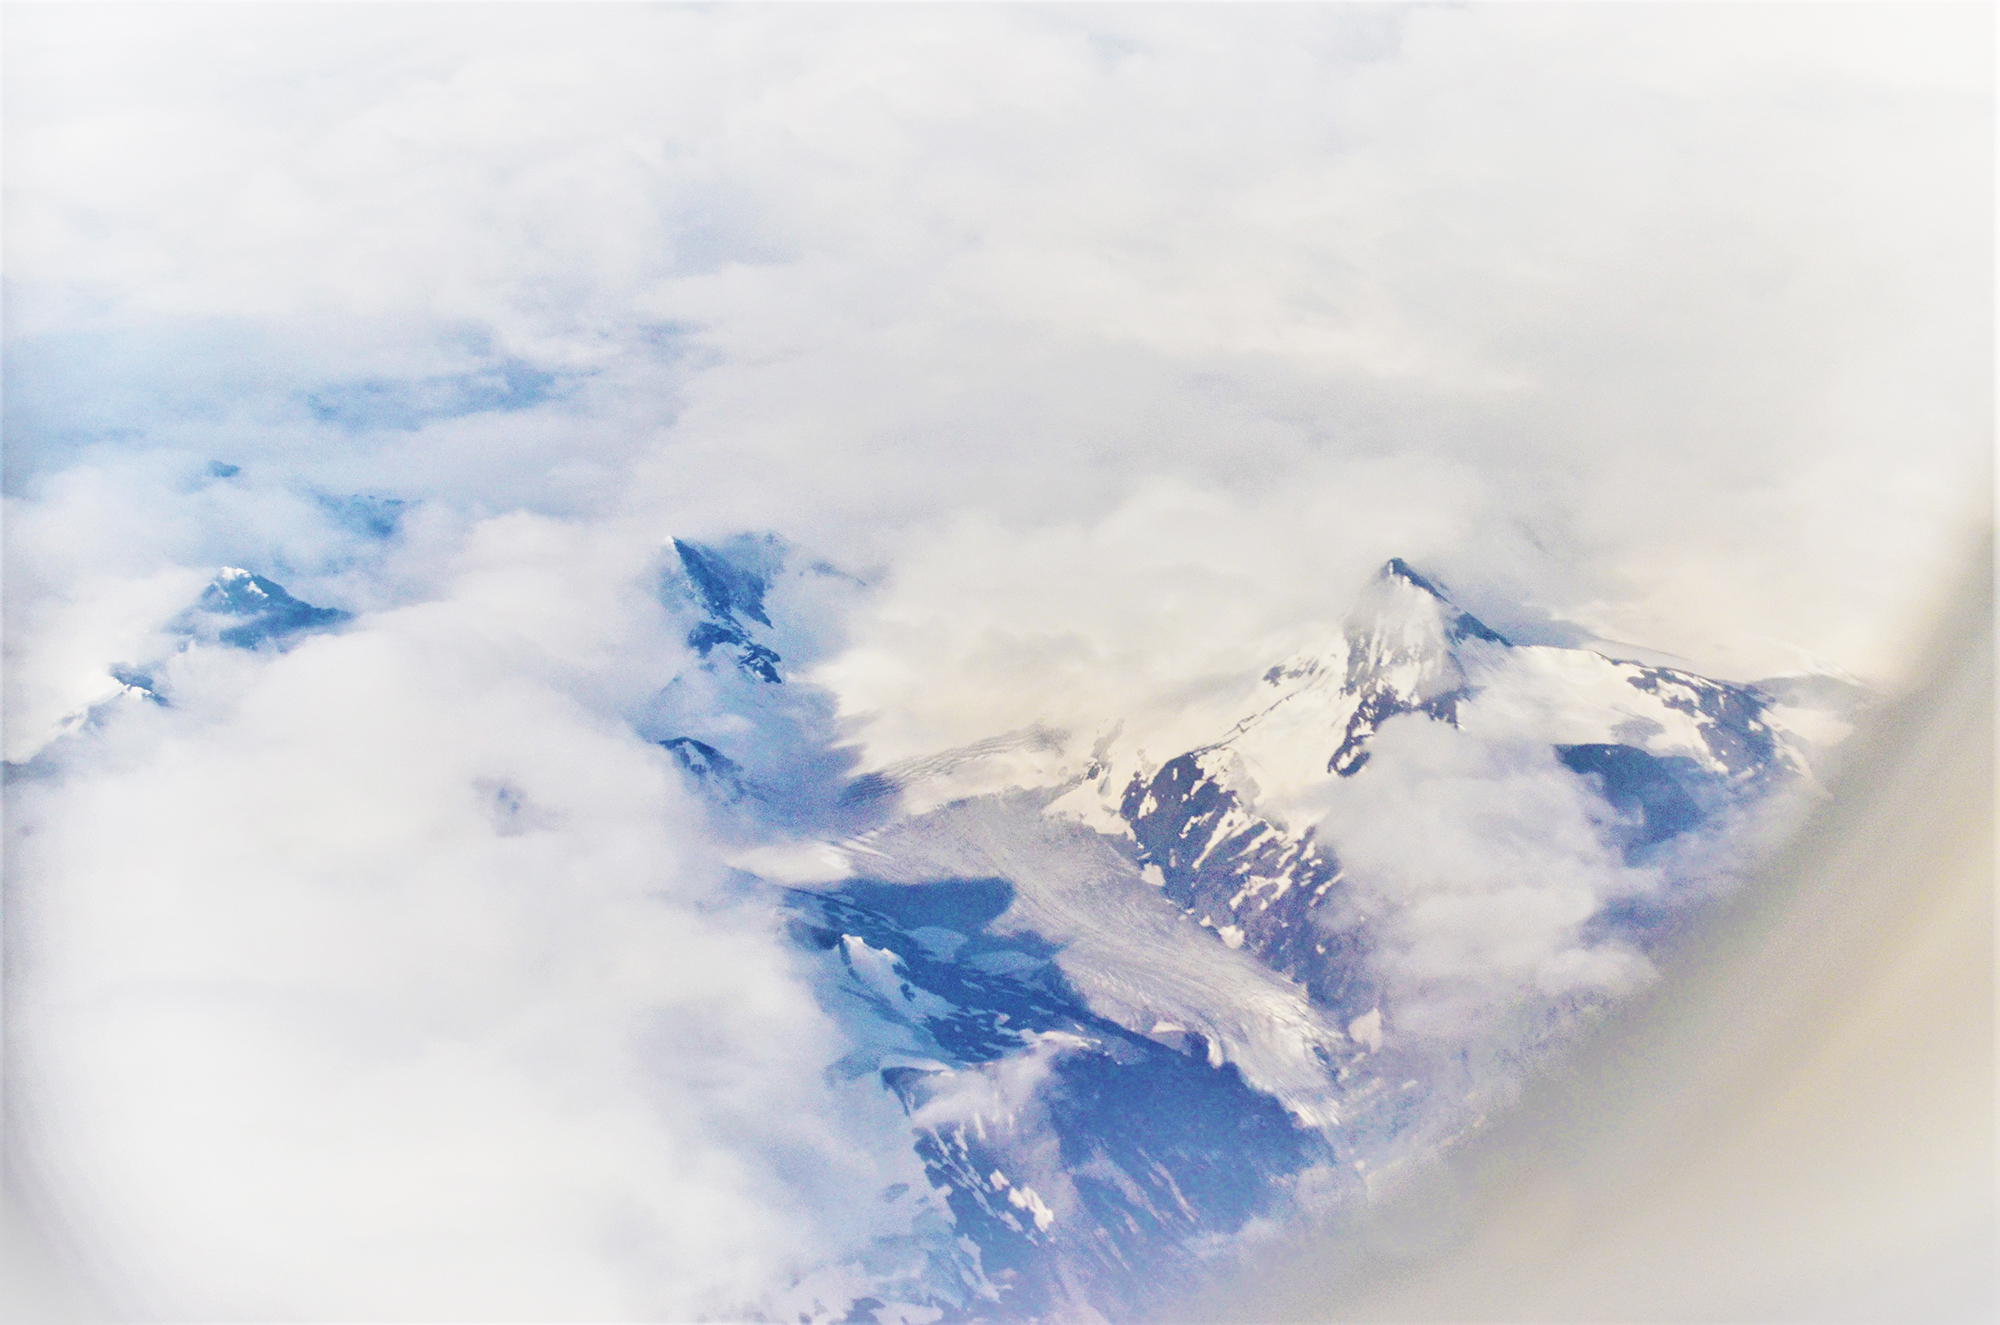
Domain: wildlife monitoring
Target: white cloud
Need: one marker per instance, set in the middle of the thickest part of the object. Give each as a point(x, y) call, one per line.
point(995, 1093)
point(1476, 864)
point(1699, 300)
point(392, 976)
point(1113, 347)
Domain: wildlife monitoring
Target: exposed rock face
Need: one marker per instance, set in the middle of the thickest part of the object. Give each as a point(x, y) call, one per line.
point(1105, 1080)
point(1666, 749)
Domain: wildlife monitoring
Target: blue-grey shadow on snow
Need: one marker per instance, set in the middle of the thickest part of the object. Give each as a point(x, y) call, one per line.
point(1154, 1150)
point(740, 721)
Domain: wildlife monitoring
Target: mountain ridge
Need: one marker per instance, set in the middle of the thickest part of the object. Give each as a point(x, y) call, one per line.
point(1146, 934)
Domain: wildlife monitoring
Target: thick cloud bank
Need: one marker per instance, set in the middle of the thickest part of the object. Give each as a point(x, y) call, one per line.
point(388, 967)
point(393, 976)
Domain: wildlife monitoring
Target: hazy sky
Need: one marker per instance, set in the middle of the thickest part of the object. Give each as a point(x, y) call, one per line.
point(1112, 348)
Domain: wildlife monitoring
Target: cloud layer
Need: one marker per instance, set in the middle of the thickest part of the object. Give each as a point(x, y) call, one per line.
point(1664, 301)
point(1110, 350)
point(393, 976)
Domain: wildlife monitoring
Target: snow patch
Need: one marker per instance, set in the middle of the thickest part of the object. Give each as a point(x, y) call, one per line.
point(1366, 1029)
point(1026, 1198)
point(796, 863)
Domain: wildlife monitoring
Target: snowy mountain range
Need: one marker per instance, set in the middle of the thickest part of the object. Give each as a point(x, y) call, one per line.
point(237, 609)
point(1137, 1009)
point(1132, 1008)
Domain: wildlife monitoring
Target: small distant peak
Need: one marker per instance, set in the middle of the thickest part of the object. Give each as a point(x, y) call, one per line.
point(1459, 623)
point(1395, 568)
point(707, 765)
point(726, 587)
point(261, 609)
point(726, 584)
point(238, 591)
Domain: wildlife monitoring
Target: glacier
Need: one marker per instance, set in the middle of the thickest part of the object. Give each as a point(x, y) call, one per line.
point(1141, 1013)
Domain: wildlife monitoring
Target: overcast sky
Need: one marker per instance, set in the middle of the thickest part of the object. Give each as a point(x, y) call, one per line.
point(1111, 348)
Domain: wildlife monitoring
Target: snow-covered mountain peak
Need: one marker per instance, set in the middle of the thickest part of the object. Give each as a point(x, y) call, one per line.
point(727, 589)
point(727, 585)
point(1129, 1003)
point(1404, 631)
point(245, 610)
point(1395, 568)
point(1408, 646)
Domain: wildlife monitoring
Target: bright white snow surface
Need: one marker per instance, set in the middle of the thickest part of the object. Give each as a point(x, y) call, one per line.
point(1476, 860)
point(1131, 954)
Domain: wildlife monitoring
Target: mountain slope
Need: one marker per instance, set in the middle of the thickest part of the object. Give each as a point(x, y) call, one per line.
point(1129, 1008)
point(1667, 752)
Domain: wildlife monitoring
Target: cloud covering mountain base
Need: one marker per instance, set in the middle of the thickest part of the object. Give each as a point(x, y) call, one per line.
point(412, 936)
